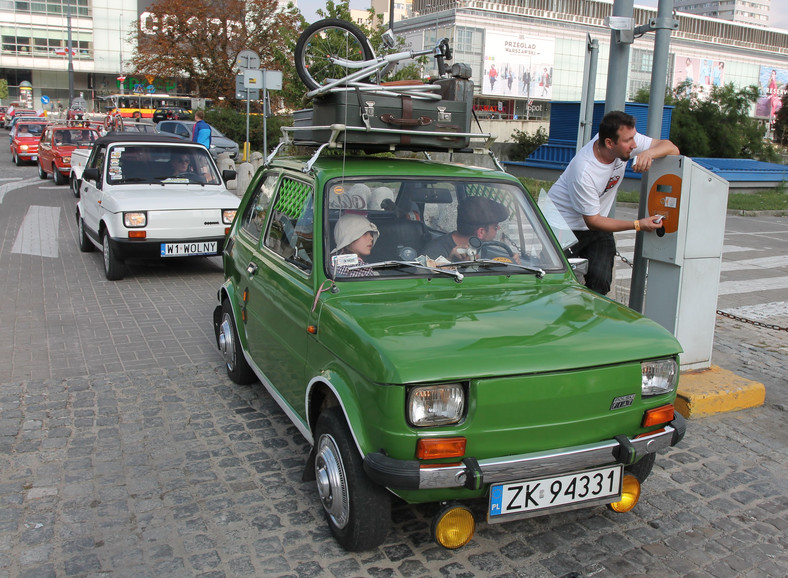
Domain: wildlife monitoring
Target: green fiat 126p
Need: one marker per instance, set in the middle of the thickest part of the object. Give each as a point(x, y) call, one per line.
point(421, 327)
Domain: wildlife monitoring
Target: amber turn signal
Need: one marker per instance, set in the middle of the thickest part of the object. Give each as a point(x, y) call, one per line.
point(436, 448)
point(658, 415)
point(137, 234)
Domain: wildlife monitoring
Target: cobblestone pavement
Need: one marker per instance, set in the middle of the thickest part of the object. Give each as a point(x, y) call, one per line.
point(126, 451)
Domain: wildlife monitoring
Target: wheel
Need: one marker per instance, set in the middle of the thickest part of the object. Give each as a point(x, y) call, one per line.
point(117, 125)
point(324, 38)
point(17, 160)
point(58, 176)
point(113, 267)
point(642, 469)
point(75, 184)
point(358, 511)
point(107, 122)
point(41, 174)
point(493, 249)
point(85, 244)
point(238, 369)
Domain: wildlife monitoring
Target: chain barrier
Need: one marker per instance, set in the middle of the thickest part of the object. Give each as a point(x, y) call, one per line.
point(725, 313)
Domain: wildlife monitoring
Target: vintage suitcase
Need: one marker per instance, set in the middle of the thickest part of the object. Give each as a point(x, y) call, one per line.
point(391, 121)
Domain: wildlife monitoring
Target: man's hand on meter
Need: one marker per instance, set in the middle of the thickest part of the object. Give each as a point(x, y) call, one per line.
point(651, 223)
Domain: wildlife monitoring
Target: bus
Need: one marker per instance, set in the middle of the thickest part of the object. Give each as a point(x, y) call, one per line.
point(143, 105)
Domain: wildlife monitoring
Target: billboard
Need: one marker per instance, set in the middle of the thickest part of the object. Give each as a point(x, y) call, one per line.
point(515, 66)
point(702, 72)
point(772, 86)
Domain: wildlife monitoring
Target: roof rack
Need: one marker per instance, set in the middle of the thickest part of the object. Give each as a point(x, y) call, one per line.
point(338, 139)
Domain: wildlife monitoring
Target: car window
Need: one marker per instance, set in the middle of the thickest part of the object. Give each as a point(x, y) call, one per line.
point(435, 221)
point(134, 164)
point(182, 131)
point(253, 220)
point(290, 232)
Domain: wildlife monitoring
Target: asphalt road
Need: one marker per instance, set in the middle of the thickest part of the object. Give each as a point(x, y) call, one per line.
point(125, 450)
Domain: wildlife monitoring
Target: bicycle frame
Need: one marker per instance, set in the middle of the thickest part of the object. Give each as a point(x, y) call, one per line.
point(367, 68)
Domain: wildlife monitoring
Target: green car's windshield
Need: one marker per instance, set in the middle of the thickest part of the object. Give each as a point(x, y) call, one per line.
point(434, 223)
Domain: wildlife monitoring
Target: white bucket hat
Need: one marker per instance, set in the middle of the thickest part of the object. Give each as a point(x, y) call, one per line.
point(350, 227)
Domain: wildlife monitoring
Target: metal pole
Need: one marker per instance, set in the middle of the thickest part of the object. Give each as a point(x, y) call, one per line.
point(246, 144)
point(265, 116)
point(618, 67)
point(587, 94)
point(69, 45)
point(659, 73)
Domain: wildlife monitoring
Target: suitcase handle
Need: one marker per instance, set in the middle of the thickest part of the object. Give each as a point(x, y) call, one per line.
point(391, 119)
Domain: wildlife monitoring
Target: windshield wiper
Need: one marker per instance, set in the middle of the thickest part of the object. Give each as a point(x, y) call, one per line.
point(392, 264)
point(494, 263)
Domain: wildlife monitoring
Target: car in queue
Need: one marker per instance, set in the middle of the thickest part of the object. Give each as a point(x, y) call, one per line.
point(170, 113)
point(24, 136)
point(495, 385)
point(56, 146)
point(152, 197)
point(184, 129)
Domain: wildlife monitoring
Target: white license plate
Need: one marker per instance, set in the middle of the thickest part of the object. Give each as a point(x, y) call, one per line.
point(522, 498)
point(188, 249)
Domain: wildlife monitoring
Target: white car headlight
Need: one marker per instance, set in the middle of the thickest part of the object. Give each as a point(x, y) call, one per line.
point(228, 215)
point(433, 405)
point(658, 376)
point(133, 220)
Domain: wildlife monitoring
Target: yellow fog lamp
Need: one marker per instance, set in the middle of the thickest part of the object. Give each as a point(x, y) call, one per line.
point(630, 494)
point(453, 526)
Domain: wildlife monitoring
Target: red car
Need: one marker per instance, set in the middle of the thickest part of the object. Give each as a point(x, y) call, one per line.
point(24, 140)
point(56, 146)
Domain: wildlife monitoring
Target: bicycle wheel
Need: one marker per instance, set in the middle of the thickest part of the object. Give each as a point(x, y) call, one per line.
point(324, 38)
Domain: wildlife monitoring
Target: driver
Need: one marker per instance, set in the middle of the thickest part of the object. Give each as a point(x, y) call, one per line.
point(180, 164)
point(476, 217)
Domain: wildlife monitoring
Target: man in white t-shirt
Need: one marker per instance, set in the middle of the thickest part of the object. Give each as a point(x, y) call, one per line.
point(586, 190)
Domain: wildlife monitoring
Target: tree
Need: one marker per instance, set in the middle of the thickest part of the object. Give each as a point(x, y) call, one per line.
point(200, 39)
point(717, 126)
point(3, 88)
point(781, 123)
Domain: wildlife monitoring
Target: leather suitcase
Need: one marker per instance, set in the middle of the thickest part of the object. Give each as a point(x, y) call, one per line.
point(391, 121)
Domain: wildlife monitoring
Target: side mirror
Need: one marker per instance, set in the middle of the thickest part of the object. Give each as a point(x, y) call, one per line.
point(229, 175)
point(579, 266)
point(91, 174)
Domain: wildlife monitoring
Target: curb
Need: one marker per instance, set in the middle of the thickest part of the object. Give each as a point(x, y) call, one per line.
point(716, 390)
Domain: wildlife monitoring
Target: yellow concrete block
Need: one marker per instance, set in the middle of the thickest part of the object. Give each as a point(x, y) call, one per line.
point(716, 390)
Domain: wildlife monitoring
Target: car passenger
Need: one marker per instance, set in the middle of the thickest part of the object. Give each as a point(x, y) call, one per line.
point(476, 217)
point(354, 236)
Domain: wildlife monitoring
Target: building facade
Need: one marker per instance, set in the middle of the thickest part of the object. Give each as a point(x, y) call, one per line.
point(755, 12)
point(525, 54)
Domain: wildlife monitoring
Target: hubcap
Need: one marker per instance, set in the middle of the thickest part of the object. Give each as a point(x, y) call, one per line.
point(331, 481)
point(227, 342)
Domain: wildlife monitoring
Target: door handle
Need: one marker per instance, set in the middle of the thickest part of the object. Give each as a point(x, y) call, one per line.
point(251, 268)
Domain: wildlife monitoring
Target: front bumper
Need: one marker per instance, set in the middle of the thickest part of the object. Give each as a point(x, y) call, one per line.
point(474, 474)
point(151, 248)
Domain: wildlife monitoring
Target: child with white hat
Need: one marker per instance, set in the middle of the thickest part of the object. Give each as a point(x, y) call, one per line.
point(354, 236)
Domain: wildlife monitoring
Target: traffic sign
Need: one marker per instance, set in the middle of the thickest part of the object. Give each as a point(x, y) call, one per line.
point(248, 59)
point(121, 78)
point(44, 99)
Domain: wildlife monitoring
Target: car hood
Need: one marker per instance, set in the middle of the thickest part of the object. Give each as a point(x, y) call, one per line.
point(169, 197)
point(507, 328)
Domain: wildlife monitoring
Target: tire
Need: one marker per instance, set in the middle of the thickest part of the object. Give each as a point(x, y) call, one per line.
point(41, 174)
point(75, 184)
point(17, 160)
point(58, 176)
point(642, 469)
point(357, 510)
point(85, 244)
point(330, 36)
point(238, 369)
point(113, 267)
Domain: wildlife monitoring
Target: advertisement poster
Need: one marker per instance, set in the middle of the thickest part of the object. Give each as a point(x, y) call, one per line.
point(703, 73)
point(772, 86)
point(518, 67)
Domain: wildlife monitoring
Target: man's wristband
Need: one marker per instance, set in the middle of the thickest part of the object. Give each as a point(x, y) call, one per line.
point(637, 225)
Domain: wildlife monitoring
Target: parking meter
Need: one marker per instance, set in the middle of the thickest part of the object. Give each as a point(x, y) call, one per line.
point(685, 258)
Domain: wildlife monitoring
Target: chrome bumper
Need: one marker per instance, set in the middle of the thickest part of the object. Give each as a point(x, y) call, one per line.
point(474, 474)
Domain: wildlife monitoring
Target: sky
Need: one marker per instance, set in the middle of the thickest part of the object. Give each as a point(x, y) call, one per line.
point(778, 9)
